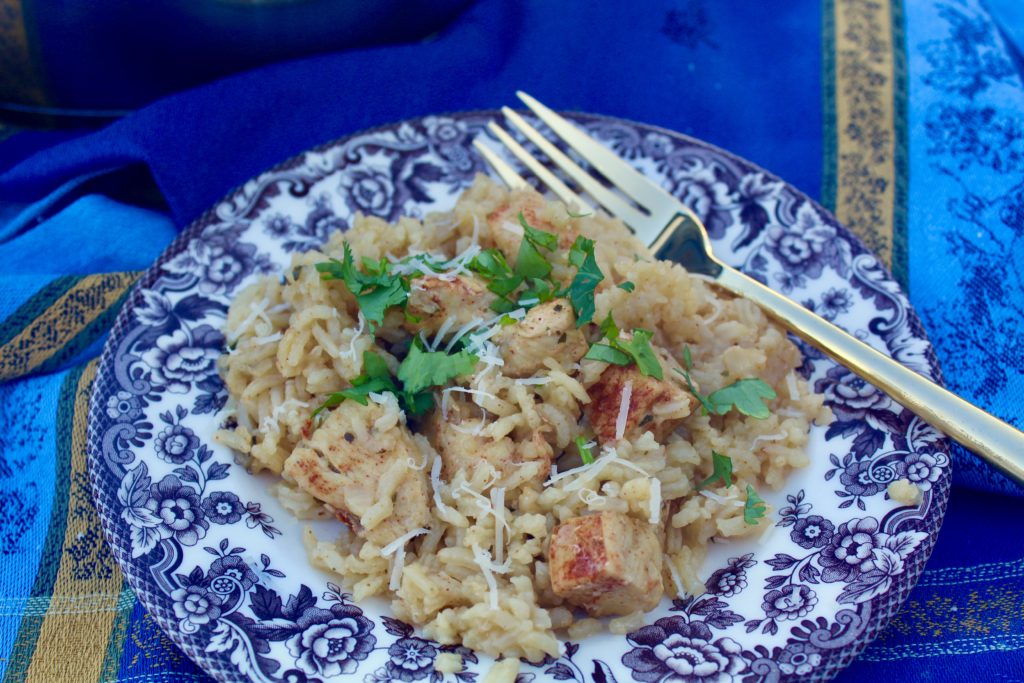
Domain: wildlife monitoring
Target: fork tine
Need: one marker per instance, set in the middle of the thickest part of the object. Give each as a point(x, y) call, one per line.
point(625, 177)
point(605, 197)
point(504, 171)
point(560, 189)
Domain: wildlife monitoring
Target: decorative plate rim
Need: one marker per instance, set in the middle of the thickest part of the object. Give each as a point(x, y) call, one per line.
point(879, 609)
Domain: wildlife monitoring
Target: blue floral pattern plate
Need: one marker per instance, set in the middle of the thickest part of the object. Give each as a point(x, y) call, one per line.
point(220, 565)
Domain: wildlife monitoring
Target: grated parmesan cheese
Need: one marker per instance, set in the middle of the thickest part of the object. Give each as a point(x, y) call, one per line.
point(498, 510)
point(489, 569)
point(351, 353)
point(655, 501)
point(620, 421)
point(513, 228)
point(721, 500)
point(400, 542)
point(529, 302)
point(676, 579)
point(398, 563)
point(446, 326)
point(258, 310)
point(767, 437)
point(533, 380)
point(791, 386)
point(435, 483)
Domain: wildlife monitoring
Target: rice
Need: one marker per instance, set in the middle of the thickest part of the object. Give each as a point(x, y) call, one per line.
point(472, 565)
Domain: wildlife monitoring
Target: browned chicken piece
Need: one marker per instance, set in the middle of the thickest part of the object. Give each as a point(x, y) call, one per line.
point(461, 450)
point(507, 232)
point(655, 405)
point(607, 563)
point(548, 330)
point(343, 462)
point(433, 300)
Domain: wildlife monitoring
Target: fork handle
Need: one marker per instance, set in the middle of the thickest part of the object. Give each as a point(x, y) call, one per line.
point(991, 438)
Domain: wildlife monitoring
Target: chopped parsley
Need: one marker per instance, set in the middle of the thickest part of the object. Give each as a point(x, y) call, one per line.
point(584, 284)
point(424, 369)
point(722, 473)
point(627, 286)
point(586, 453)
point(755, 508)
point(376, 290)
point(418, 374)
point(532, 268)
point(619, 351)
point(746, 396)
point(376, 378)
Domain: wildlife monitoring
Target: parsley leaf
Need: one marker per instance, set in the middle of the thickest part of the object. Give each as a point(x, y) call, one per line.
point(541, 290)
point(755, 508)
point(530, 263)
point(423, 369)
point(722, 465)
point(609, 329)
point(627, 286)
point(491, 264)
point(745, 395)
point(588, 276)
point(607, 354)
point(586, 453)
point(375, 290)
point(619, 351)
point(376, 378)
point(639, 347)
point(705, 404)
point(539, 238)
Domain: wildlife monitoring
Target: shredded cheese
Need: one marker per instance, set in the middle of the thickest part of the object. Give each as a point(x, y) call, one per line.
point(513, 228)
point(676, 579)
point(721, 500)
point(655, 501)
point(351, 353)
point(529, 302)
point(489, 568)
point(620, 421)
point(258, 310)
point(498, 509)
point(446, 326)
point(791, 386)
point(533, 380)
point(400, 542)
point(435, 482)
point(767, 437)
point(588, 472)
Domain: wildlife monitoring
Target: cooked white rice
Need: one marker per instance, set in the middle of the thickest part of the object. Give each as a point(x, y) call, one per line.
point(300, 338)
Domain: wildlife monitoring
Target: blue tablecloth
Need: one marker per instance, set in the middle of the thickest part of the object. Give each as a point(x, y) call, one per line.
point(905, 118)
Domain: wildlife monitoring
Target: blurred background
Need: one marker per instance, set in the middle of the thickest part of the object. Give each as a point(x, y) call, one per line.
point(80, 62)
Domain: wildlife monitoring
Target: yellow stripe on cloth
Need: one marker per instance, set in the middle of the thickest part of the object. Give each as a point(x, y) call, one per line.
point(88, 592)
point(865, 121)
point(66, 326)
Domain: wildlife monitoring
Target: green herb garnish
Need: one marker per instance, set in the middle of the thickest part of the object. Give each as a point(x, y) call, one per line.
point(619, 351)
point(722, 465)
point(586, 453)
point(626, 286)
point(584, 284)
point(376, 378)
point(422, 369)
point(755, 508)
point(376, 290)
point(746, 396)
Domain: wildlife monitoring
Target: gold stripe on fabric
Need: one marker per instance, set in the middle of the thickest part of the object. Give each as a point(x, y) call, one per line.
point(59, 324)
point(87, 593)
point(19, 79)
point(864, 121)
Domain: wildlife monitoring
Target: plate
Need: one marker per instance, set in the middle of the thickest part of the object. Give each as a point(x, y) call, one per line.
point(220, 565)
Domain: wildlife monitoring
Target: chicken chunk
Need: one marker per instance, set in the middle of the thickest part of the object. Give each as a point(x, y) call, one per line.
point(433, 300)
point(655, 405)
point(352, 462)
point(548, 330)
point(461, 450)
point(607, 563)
point(508, 233)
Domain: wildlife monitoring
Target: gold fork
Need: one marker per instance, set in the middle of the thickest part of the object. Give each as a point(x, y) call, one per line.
point(675, 233)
